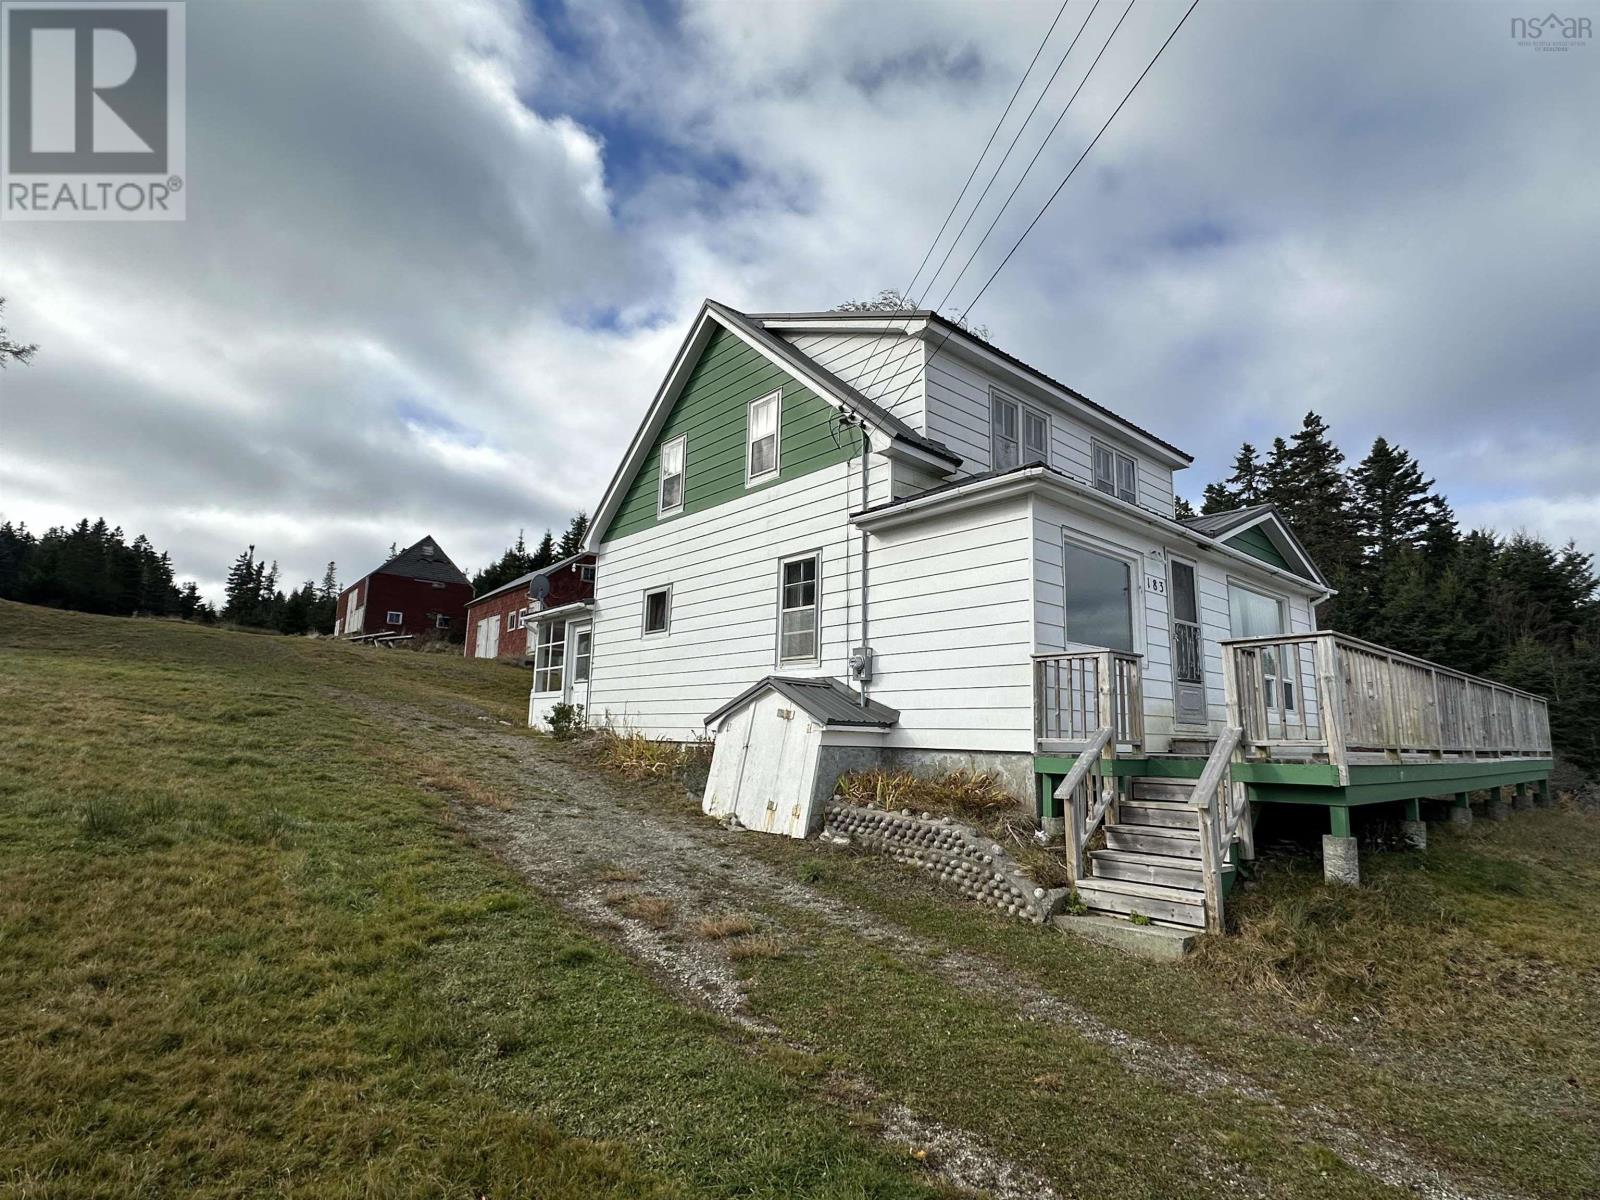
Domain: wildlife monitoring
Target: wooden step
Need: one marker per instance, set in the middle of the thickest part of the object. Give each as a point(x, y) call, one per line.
point(1173, 906)
point(1154, 839)
point(1147, 788)
point(1175, 816)
point(1160, 869)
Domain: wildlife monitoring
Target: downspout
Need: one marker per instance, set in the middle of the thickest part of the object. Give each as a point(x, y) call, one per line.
point(866, 454)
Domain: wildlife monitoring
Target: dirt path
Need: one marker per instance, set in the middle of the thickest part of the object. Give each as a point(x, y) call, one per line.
point(590, 842)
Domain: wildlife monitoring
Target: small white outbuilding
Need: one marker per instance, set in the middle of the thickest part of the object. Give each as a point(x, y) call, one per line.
point(783, 744)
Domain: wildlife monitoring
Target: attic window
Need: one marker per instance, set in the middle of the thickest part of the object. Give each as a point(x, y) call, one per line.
point(670, 498)
point(761, 457)
point(427, 549)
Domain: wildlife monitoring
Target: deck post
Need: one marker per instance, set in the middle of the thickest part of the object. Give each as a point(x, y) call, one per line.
point(1524, 800)
point(1497, 809)
point(1544, 792)
point(1461, 811)
point(1341, 860)
point(1051, 821)
point(1414, 829)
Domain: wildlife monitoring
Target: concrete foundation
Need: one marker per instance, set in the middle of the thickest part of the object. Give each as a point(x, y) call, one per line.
point(1054, 828)
point(1497, 809)
point(1524, 799)
point(1415, 833)
point(1015, 770)
point(1341, 860)
point(1461, 816)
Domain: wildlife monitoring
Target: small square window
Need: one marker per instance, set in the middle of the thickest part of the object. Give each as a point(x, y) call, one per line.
point(396, 618)
point(440, 621)
point(761, 456)
point(658, 610)
point(673, 455)
point(586, 574)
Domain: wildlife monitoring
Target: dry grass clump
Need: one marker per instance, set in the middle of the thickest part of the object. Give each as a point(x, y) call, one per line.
point(972, 794)
point(717, 928)
point(654, 911)
point(612, 873)
point(437, 775)
point(636, 756)
point(756, 947)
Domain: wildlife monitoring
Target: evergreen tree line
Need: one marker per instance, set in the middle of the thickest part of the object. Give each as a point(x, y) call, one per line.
point(518, 560)
point(94, 568)
point(253, 598)
point(1513, 608)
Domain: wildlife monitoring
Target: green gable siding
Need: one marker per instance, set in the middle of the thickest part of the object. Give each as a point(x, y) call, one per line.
point(712, 410)
point(1258, 545)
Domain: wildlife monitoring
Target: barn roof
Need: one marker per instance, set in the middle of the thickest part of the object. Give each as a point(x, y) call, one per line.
point(826, 700)
point(424, 560)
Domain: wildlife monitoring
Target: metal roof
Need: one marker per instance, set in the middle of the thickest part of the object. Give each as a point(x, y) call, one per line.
point(952, 328)
point(826, 700)
point(1217, 524)
point(434, 565)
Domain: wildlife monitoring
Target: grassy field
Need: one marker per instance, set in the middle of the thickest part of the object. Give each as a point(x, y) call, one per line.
point(247, 949)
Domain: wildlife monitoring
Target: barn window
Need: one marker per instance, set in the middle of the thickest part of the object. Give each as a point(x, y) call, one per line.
point(798, 610)
point(673, 454)
point(761, 456)
point(513, 621)
point(550, 657)
point(396, 618)
point(440, 621)
point(586, 574)
point(658, 610)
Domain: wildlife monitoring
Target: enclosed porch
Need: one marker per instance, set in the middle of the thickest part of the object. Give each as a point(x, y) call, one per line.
point(1320, 719)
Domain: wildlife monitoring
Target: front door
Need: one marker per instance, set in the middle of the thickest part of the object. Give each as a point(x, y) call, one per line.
point(1188, 650)
point(580, 653)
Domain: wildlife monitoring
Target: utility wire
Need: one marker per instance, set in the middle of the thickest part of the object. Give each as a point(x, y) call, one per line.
point(993, 275)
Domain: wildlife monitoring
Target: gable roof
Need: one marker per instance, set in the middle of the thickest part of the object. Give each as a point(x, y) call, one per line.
point(826, 700)
point(825, 383)
point(1226, 526)
point(424, 560)
point(953, 330)
point(520, 581)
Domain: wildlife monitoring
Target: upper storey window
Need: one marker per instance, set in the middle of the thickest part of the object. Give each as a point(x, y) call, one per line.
point(670, 499)
point(1115, 473)
point(761, 451)
point(1017, 433)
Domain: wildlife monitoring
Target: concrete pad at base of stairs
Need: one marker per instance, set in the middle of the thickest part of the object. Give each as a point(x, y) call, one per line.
point(1146, 941)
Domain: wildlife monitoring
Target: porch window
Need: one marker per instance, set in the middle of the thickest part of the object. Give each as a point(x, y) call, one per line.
point(670, 498)
point(1115, 473)
point(550, 657)
point(582, 651)
point(1255, 614)
point(798, 610)
point(1017, 434)
point(1099, 599)
point(658, 610)
point(761, 451)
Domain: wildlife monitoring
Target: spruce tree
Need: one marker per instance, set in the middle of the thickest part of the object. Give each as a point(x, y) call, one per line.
point(545, 554)
point(242, 588)
point(572, 540)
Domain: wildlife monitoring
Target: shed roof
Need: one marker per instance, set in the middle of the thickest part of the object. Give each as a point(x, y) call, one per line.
point(826, 700)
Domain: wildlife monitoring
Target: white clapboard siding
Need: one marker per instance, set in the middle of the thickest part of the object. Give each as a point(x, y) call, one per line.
point(887, 369)
point(949, 623)
point(958, 409)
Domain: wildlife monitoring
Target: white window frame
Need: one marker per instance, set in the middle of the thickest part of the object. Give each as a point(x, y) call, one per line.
point(1118, 459)
point(997, 399)
point(394, 617)
point(440, 621)
point(586, 573)
point(1275, 677)
point(751, 479)
point(1136, 601)
point(544, 650)
point(662, 510)
point(815, 658)
point(644, 612)
point(575, 630)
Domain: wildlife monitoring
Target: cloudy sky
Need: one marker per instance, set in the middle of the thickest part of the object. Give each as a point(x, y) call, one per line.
point(438, 255)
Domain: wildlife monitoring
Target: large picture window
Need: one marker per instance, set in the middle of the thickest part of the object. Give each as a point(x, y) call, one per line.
point(761, 450)
point(1099, 599)
point(550, 658)
point(1254, 614)
point(798, 609)
point(673, 454)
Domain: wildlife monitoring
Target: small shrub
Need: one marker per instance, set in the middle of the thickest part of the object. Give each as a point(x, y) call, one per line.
point(812, 871)
point(566, 721)
point(717, 928)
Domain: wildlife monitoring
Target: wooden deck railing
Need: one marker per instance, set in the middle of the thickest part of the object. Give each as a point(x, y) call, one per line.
point(1077, 694)
point(1331, 697)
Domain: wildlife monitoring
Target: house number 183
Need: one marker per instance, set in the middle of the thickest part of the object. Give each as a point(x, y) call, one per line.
point(1155, 585)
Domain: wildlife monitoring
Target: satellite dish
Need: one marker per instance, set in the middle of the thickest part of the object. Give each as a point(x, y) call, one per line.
point(540, 587)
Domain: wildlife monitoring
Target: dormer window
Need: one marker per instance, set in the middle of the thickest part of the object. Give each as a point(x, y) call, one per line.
point(1115, 473)
point(1017, 433)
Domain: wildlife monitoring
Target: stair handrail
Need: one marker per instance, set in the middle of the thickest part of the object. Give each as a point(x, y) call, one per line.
point(1100, 746)
point(1218, 817)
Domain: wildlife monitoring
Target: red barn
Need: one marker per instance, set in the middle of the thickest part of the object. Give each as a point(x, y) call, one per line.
point(498, 621)
point(418, 591)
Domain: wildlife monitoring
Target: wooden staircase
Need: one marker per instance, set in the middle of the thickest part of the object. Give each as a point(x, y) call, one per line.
point(1151, 863)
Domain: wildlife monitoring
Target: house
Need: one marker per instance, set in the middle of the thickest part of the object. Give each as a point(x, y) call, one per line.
point(418, 591)
point(560, 640)
point(989, 563)
point(499, 621)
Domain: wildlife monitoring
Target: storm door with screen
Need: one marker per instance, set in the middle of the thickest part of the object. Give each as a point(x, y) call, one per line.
point(1188, 649)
